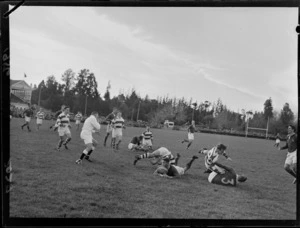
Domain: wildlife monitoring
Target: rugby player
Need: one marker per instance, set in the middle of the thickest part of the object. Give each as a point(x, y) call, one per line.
point(147, 138)
point(63, 123)
point(166, 169)
point(39, 118)
point(191, 129)
point(156, 156)
point(136, 143)
point(54, 126)
point(118, 125)
point(78, 118)
point(109, 119)
point(90, 125)
point(290, 164)
point(28, 113)
point(212, 155)
point(277, 140)
point(224, 175)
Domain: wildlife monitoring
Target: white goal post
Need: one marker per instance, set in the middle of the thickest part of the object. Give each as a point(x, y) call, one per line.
point(260, 129)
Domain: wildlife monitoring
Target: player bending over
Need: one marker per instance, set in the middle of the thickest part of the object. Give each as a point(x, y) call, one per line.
point(212, 155)
point(224, 175)
point(191, 130)
point(63, 123)
point(166, 169)
point(156, 156)
point(136, 143)
point(90, 125)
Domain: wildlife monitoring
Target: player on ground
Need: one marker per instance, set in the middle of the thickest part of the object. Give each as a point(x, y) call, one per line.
point(56, 116)
point(290, 164)
point(212, 155)
point(63, 123)
point(28, 113)
point(39, 118)
point(136, 143)
point(109, 119)
point(147, 138)
point(118, 125)
point(191, 130)
point(224, 175)
point(78, 118)
point(90, 125)
point(156, 156)
point(166, 169)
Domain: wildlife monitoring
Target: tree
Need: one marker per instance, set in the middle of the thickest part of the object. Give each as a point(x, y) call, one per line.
point(69, 78)
point(268, 109)
point(286, 114)
point(86, 84)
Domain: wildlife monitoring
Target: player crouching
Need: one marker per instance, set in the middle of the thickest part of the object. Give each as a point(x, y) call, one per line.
point(166, 169)
point(136, 143)
point(90, 125)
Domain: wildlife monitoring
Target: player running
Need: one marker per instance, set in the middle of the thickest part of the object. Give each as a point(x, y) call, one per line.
point(136, 143)
point(166, 169)
point(156, 156)
point(191, 129)
point(212, 155)
point(54, 126)
point(90, 125)
point(78, 118)
point(63, 123)
point(290, 164)
point(118, 125)
point(108, 120)
point(28, 113)
point(147, 138)
point(277, 140)
point(39, 118)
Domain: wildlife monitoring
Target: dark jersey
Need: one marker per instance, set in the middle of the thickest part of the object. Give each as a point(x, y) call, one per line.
point(110, 117)
point(28, 112)
point(172, 171)
point(136, 140)
point(291, 143)
point(57, 114)
point(191, 129)
point(227, 178)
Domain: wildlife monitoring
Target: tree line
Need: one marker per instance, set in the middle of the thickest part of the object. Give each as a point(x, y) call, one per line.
point(80, 92)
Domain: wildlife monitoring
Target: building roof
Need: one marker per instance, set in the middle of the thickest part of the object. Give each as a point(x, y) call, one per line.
point(14, 81)
point(15, 99)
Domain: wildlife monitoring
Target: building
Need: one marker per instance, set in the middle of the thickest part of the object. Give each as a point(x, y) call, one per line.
point(20, 93)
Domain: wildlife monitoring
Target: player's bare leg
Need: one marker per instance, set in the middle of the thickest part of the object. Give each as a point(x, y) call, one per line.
point(290, 169)
point(189, 144)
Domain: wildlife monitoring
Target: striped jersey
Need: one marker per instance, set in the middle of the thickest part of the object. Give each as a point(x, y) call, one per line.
point(78, 116)
point(147, 135)
point(118, 122)
point(212, 156)
point(63, 120)
point(40, 115)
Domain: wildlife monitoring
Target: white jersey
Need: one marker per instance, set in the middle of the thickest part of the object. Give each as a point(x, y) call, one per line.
point(90, 124)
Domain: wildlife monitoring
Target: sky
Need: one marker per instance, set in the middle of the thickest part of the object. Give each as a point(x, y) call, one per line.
point(241, 55)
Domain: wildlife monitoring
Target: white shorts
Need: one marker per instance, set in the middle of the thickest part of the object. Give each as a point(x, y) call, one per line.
point(77, 122)
point(147, 142)
point(63, 131)
point(277, 141)
point(86, 136)
point(116, 132)
point(27, 119)
point(39, 121)
point(291, 158)
point(180, 170)
point(131, 146)
point(190, 136)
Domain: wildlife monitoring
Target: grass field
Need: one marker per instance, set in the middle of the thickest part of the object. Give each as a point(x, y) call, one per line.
point(47, 183)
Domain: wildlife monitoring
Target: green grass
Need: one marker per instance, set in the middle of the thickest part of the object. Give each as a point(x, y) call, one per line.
point(47, 183)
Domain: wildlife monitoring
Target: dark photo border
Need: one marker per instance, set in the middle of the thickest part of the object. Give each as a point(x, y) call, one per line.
point(5, 121)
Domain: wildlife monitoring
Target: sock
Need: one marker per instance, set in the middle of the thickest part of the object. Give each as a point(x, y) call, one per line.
point(106, 137)
point(59, 144)
point(89, 153)
point(28, 128)
point(67, 140)
point(84, 153)
point(146, 155)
